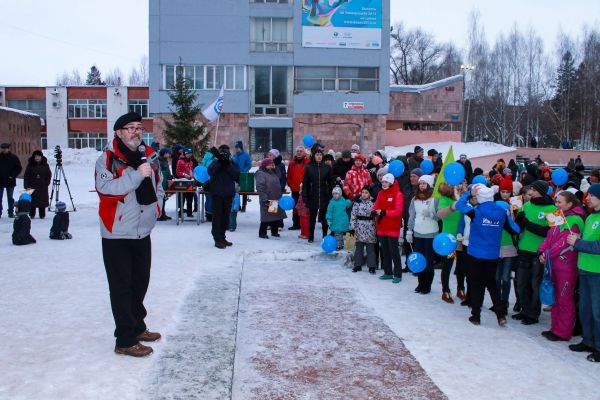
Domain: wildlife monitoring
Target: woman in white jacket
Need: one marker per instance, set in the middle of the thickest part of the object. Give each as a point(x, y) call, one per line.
point(422, 228)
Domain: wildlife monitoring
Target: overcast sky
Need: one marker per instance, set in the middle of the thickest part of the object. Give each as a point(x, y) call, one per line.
point(42, 38)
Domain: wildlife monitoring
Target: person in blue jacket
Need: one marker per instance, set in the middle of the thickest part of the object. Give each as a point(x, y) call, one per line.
point(487, 222)
point(244, 162)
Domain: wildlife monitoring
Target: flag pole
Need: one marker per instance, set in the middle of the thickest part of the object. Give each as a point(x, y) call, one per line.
point(217, 132)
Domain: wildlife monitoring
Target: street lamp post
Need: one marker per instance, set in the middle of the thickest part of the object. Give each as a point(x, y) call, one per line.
point(465, 119)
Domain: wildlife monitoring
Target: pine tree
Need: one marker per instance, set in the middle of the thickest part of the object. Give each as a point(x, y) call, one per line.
point(563, 102)
point(94, 78)
point(185, 129)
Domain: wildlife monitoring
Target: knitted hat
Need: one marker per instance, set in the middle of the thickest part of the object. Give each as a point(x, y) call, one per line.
point(432, 152)
point(418, 149)
point(331, 152)
point(275, 152)
point(163, 151)
point(417, 171)
point(266, 162)
point(507, 171)
point(188, 151)
point(507, 185)
point(463, 156)
point(484, 194)
point(382, 171)
point(594, 190)
point(428, 179)
point(60, 206)
point(376, 160)
point(388, 178)
point(541, 187)
point(4, 145)
point(346, 154)
point(337, 190)
point(497, 179)
point(355, 148)
point(360, 157)
point(239, 145)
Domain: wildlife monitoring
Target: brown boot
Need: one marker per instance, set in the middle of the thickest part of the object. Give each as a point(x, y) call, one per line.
point(461, 295)
point(447, 298)
point(148, 336)
point(137, 350)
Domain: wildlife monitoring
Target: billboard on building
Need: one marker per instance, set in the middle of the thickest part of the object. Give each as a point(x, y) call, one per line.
point(353, 24)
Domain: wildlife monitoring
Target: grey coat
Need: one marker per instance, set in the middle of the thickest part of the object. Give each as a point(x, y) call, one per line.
point(268, 188)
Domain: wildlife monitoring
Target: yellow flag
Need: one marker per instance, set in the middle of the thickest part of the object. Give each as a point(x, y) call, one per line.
point(440, 179)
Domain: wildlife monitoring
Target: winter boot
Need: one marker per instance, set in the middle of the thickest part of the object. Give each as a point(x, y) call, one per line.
point(475, 319)
point(356, 269)
point(137, 350)
point(447, 298)
point(397, 279)
point(552, 337)
point(461, 295)
point(386, 277)
point(372, 271)
point(594, 357)
point(581, 348)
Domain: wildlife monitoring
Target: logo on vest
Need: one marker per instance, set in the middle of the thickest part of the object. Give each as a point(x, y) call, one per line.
point(595, 225)
point(489, 222)
point(541, 215)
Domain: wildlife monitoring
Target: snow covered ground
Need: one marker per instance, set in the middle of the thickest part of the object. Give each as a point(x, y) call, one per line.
point(471, 149)
point(263, 319)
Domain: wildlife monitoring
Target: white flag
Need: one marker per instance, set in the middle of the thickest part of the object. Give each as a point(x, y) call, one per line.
point(213, 111)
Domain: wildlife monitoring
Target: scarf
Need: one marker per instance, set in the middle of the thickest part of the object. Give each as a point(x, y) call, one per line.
point(145, 193)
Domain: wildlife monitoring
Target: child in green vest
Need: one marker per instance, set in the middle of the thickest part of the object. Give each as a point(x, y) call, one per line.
point(534, 226)
point(588, 262)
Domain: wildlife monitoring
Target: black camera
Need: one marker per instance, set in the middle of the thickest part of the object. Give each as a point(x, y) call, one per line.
point(58, 155)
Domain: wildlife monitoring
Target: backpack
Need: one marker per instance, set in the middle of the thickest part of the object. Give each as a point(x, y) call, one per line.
point(546, 287)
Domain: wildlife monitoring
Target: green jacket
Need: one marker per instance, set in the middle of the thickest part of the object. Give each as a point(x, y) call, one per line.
point(336, 216)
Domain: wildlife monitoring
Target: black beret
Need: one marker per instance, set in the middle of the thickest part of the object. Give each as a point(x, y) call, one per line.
point(4, 146)
point(125, 119)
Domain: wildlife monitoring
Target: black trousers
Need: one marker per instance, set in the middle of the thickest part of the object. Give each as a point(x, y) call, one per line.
point(295, 216)
point(42, 212)
point(221, 208)
point(391, 254)
point(462, 270)
point(483, 275)
point(188, 200)
point(127, 263)
point(446, 270)
point(320, 213)
point(529, 277)
point(262, 230)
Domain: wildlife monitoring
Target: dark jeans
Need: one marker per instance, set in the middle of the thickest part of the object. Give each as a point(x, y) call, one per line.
point(462, 270)
point(244, 202)
point(42, 212)
point(589, 307)
point(188, 200)
point(127, 263)
point(503, 278)
point(391, 254)
point(359, 255)
point(10, 200)
point(262, 230)
point(320, 213)
point(295, 216)
point(529, 278)
point(425, 247)
point(483, 275)
point(221, 207)
point(446, 269)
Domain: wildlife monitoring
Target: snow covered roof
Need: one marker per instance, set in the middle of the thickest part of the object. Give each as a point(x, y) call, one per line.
point(426, 87)
point(19, 111)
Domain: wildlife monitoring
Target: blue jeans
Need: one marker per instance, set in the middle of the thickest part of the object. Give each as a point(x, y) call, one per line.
point(233, 221)
point(589, 307)
point(11, 201)
point(503, 278)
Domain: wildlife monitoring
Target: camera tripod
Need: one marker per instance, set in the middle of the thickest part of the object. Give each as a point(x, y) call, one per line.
point(58, 173)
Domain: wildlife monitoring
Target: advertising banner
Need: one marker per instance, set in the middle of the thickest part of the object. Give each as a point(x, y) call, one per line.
point(352, 24)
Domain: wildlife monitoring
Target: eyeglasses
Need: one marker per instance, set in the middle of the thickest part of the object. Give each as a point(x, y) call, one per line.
point(133, 129)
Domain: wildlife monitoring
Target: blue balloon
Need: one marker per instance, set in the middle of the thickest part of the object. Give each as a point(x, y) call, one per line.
point(550, 190)
point(287, 203)
point(328, 244)
point(201, 174)
point(396, 168)
point(479, 179)
point(560, 176)
point(308, 141)
point(426, 166)
point(416, 262)
point(444, 244)
point(454, 173)
point(503, 204)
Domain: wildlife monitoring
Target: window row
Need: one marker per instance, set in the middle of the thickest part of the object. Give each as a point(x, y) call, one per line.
point(264, 139)
point(94, 140)
point(33, 106)
point(334, 79)
point(86, 108)
point(140, 107)
point(271, 34)
point(206, 77)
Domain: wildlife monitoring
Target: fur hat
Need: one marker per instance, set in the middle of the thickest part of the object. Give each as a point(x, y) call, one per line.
point(484, 194)
point(337, 190)
point(428, 179)
point(541, 187)
point(389, 178)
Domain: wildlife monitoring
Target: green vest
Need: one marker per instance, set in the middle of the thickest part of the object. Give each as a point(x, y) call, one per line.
point(573, 220)
point(506, 239)
point(450, 223)
point(591, 233)
point(537, 215)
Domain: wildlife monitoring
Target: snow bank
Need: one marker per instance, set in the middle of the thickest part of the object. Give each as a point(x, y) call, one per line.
point(471, 149)
point(79, 157)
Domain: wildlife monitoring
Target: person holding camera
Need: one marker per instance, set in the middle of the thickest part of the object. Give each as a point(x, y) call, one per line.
point(128, 184)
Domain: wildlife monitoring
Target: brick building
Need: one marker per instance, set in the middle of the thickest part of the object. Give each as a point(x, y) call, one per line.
point(22, 130)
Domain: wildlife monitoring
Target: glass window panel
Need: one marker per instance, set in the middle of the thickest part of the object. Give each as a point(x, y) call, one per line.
point(367, 73)
point(279, 139)
point(344, 84)
point(262, 30)
point(329, 84)
point(309, 84)
point(169, 77)
point(347, 72)
point(219, 77)
point(189, 76)
point(229, 82)
point(279, 85)
point(315, 72)
point(261, 140)
point(239, 77)
point(279, 33)
point(262, 85)
point(365, 86)
point(199, 79)
point(210, 78)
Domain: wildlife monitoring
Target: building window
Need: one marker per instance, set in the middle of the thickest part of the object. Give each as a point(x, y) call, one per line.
point(206, 77)
point(44, 141)
point(148, 138)
point(82, 140)
point(270, 34)
point(264, 139)
point(33, 106)
point(86, 108)
point(271, 91)
point(337, 79)
point(272, 1)
point(140, 107)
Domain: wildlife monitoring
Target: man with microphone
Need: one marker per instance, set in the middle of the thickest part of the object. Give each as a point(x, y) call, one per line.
point(128, 184)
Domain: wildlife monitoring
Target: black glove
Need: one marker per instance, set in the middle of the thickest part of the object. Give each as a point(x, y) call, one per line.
point(373, 213)
point(382, 213)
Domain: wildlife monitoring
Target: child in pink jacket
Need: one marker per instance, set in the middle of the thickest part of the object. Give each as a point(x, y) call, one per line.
point(564, 266)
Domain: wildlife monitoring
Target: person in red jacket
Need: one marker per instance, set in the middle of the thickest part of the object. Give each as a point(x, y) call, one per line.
point(357, 178)
point(185, 166)
point(295, 173)
point(388, 221)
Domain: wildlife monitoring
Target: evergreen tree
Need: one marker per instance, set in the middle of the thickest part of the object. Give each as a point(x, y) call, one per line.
point(94, 78)
point(563, 102)
point(185, 129)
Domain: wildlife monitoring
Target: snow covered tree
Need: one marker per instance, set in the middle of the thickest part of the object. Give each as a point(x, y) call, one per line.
point(94, 78)
point(185, 128)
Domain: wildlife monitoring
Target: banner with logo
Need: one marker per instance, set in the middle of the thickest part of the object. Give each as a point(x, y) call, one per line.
point(353, 24)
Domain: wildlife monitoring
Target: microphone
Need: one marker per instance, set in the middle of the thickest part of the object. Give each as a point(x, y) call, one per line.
point(142, 149)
